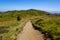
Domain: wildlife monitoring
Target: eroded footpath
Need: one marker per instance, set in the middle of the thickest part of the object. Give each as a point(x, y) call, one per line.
point(29, 33)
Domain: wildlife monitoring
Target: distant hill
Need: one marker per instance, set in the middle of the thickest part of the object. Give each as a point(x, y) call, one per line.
point(24, 13)
point(54, 11)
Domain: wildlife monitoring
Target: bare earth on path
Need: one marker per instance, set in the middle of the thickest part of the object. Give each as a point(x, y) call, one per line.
point(29, 33)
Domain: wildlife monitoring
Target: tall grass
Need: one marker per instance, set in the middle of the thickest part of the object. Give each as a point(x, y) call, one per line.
point(50, 25)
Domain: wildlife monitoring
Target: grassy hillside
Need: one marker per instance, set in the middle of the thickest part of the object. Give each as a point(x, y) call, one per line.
point(10, 20)
point(49, 24)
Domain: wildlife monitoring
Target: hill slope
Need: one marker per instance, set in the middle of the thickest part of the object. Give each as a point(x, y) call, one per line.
point(29, 33)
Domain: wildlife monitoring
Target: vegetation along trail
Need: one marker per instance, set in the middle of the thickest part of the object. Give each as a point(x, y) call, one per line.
point(29, 33)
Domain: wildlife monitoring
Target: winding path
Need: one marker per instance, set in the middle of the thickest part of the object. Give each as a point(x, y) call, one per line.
point(29, 33)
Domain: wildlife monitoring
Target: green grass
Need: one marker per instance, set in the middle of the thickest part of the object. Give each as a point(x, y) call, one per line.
point(44, 20)
point(49, 24)
point(10, 32)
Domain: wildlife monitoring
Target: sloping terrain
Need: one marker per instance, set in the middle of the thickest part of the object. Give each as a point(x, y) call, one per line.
point(43, 20)
point(29, 33)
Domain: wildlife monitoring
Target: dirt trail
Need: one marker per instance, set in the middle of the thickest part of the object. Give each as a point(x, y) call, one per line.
point(29, 33)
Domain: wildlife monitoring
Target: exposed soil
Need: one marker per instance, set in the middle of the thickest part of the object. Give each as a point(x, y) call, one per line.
point(29, 33)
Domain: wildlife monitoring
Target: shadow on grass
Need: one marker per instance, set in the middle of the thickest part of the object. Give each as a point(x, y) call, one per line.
point(47, 35)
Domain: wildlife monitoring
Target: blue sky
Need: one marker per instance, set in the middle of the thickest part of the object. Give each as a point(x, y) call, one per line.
point(46, 5)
